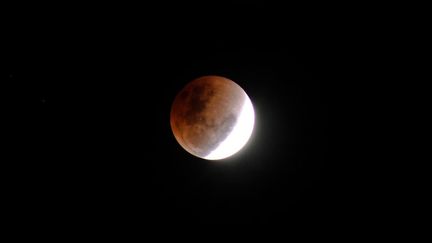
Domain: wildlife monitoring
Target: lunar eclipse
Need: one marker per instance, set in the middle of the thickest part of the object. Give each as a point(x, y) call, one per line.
point(212, 117)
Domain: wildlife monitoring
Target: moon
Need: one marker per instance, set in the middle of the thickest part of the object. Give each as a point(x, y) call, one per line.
point(212, 117)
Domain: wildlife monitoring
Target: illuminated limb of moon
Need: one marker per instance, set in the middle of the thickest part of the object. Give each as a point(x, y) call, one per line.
point(239, 136)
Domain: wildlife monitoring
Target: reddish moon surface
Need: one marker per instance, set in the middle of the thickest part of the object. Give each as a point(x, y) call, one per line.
point(206, 115)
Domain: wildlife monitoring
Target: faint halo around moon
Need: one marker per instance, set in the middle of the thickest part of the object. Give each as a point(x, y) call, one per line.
point(212, 117)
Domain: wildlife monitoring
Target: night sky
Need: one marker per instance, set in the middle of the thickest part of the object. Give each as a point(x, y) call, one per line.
point(91, 89)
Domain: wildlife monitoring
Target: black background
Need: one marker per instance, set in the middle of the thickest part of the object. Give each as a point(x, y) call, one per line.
point(90, 88)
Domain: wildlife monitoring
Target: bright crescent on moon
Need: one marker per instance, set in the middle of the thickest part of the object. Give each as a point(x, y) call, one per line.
point(239, 136)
